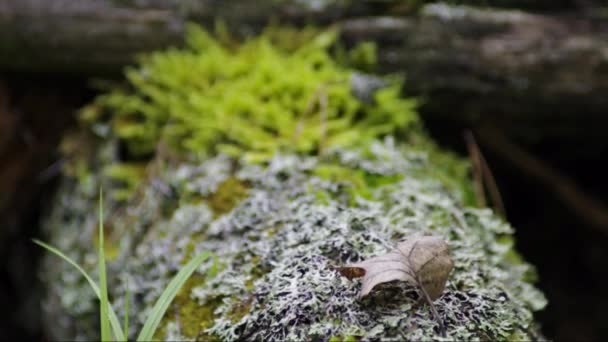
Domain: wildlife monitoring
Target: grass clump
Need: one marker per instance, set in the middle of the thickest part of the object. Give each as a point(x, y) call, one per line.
point(107, 316)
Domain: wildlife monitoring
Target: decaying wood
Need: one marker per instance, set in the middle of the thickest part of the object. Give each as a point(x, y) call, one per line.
point(537, 77)
point(80, 36)
point(101, 36)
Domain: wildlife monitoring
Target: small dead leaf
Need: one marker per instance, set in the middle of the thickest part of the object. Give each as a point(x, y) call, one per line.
point(421, 260)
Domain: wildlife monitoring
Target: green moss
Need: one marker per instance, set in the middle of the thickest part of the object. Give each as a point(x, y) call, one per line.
point(343, 339)
point(240, 309)
point(127, 176)
point(322, 196)
point(252, 100)
point(193, 317)
point(362, 57)
point(281, 92)
point(111, 247)
point(361, 183)
point(227, 196)
point(338, 173)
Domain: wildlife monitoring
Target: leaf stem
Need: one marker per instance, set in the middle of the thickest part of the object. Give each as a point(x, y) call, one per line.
point(432, 306)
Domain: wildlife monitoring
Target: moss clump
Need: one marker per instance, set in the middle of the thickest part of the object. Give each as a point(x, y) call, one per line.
point(279, 93)
point(253, 100)
point(127, 175)
point(192, 319)
point(228, 194)
point(240, 310)
point(343, 339)
point(360, 182)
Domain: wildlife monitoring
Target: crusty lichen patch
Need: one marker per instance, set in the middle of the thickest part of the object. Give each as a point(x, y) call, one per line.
point(281, 285)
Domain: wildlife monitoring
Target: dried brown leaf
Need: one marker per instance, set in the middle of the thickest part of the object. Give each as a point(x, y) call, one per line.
point(421, 260)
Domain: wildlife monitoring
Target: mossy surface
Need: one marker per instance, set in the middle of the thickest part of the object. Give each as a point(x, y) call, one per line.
point(253, 100)
point(278, 214)
point(278, 247)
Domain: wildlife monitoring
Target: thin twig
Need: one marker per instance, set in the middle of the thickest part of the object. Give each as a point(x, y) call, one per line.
point(473, 149)
point(432, 306)
point(483, 176)
point(492, 187)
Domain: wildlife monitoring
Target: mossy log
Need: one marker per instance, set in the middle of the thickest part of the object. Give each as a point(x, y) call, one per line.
point(276, 244)
point(283, 177)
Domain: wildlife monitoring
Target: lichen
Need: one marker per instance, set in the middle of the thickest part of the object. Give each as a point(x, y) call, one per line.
point(283, 286)
point(282, 173)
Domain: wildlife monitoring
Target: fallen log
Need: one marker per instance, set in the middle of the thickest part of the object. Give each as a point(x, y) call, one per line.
point(539, 78)
point(290, 179)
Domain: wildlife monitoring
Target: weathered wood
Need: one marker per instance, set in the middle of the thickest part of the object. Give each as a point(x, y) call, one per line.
point(80, 36)
point(537, 77)
point(100, 36)
point(97, 36)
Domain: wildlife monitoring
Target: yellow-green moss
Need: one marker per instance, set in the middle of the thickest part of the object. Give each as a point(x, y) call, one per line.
point(361, 182)
point(127, 175)
point(193, 317)
point(110, 247)
point(240, 309)
point(252, 100)
point(228, 194)
point(343, 339)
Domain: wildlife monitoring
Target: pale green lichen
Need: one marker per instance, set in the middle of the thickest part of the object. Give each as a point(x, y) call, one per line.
point(282, 286)
point(297, 193)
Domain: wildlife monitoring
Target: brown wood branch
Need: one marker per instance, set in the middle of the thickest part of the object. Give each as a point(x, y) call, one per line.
point(486, 177)
point(480, 195)
point(588, 208)
point(492, 186)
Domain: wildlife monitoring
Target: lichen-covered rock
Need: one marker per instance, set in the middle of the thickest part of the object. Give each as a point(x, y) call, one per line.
point(273, 273)
point(300, 176)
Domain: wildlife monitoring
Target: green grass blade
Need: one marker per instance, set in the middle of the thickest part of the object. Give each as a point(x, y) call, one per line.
point(159, 309)
point(103, 285)
point(118, 334)
point(126, 321)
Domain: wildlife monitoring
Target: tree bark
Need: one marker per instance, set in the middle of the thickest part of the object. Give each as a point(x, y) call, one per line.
point(540, 78)
point(92, 37)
